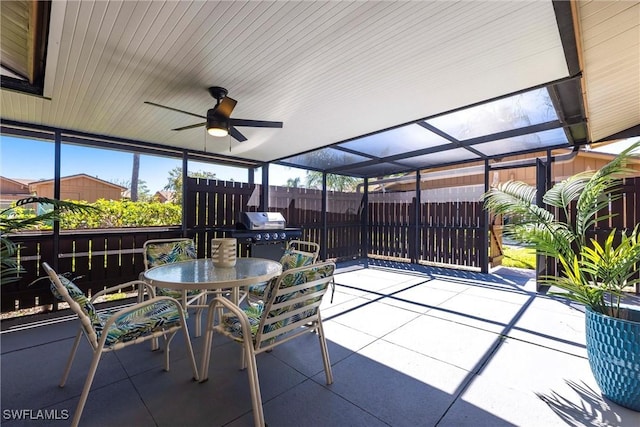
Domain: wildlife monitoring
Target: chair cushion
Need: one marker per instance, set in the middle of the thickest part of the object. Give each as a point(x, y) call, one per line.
point(159, 315)
point(161, 253)
point(232, 326)
point(166, 252)
point(78, 296)
point(293, 259)
point(290, 259)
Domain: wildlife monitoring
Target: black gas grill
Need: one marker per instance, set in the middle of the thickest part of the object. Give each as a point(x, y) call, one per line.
point(265, 233)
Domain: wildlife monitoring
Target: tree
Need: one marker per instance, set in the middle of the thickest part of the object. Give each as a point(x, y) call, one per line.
point(175, 181)
point(293, 182)
point(334, 182)
point(144, 194)
point(135, 172)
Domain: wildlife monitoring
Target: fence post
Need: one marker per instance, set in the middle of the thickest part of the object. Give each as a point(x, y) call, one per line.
point(484, 240)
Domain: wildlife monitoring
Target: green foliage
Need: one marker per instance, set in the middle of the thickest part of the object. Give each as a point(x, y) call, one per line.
point(592, 274)
point(20, 217)
point(519, 257)
point(124, 213)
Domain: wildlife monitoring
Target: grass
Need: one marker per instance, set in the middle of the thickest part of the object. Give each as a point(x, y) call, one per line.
point(519, 257)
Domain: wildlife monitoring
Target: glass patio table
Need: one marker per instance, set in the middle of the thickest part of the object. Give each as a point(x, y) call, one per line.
point(201, 274)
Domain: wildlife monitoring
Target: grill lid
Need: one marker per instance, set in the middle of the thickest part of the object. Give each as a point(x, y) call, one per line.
point(262, 220)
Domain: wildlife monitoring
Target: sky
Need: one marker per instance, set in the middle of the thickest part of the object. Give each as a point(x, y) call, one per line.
point(34, 160)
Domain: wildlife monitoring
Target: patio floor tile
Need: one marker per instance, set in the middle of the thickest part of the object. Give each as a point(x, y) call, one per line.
point(408, 347)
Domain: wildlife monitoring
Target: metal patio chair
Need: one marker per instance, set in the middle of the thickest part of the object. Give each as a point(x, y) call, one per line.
point(297, 253)
point(118, 328)
point(291, 309)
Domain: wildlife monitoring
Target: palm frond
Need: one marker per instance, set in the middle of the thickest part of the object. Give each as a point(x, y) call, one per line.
point(564, 192)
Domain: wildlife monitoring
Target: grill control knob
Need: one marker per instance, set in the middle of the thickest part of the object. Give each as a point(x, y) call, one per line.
point(275, 236)
point(283, 236)
point(267, 236)
point(257, 237)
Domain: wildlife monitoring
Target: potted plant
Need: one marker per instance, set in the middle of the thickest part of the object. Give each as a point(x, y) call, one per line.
point(10, 268)
point(591, 272)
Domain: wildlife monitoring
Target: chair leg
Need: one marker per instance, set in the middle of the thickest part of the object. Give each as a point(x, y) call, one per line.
point(325, 354)
point(198, 331)
point(72, 356)
point(97, 354)
point(187, 339)
point(254, 384)
point(208, 340)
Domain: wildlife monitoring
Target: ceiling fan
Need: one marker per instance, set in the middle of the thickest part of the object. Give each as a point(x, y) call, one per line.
point(218, 118)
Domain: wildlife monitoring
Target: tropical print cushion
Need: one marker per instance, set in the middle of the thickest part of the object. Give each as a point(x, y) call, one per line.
point(162, 314)
point(290, 259)
point(159, 315)
point(161, 253)
point(231, 323)
point(78, 296)
point(294, 259)
point(165, 252)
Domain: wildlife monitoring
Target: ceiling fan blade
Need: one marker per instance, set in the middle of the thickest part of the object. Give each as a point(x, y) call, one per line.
point(255, 123)
point(225, 107)
point(197, 125)
point(237, 135)
point(175, 109)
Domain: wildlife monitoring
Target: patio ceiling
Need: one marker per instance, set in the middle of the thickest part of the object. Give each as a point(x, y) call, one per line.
point(378, 87)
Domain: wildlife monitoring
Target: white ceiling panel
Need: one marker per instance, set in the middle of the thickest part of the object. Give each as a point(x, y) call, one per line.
point(610, 33)
point(331, 71)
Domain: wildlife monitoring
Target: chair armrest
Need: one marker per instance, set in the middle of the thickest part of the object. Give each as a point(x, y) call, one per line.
point(139, 283)
point(239, 312)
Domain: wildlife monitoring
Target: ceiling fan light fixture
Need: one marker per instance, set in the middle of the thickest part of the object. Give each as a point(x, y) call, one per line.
point(216, 125)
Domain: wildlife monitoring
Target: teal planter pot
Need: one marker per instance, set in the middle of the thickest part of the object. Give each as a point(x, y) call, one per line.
point(613, 349)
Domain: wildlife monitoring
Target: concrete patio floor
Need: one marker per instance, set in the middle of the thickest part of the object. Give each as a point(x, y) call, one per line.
point(413, 346)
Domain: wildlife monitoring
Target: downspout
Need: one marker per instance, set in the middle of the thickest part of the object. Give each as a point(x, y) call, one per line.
point(534, 161)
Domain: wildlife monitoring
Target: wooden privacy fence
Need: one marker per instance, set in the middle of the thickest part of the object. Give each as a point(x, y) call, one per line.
point(432, 233)
point(212, 204)
point(442, 232)
point(102, 257)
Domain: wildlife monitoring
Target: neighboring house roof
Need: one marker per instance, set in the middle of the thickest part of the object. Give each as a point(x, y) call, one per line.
point(165, 195)
point(18, 181)
point(65, 178)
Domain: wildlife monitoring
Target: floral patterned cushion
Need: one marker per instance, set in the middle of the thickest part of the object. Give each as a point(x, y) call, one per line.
point(231, 323)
